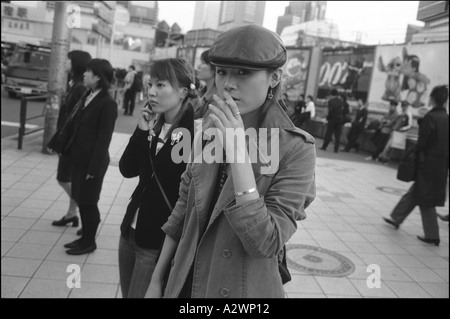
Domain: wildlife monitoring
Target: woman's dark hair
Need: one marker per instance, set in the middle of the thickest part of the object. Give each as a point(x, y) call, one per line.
point(79, 61)
point(179, 74)
point(205, 57)
point(104, 70)
point(439, 94)
point(311, 98)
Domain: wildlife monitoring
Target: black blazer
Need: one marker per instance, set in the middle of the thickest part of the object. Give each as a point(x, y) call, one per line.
point(335, 110)
point(147, 197)
point(93, 129)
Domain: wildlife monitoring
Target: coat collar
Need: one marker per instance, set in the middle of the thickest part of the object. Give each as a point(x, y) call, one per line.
point(205, 175)
point(96, 99)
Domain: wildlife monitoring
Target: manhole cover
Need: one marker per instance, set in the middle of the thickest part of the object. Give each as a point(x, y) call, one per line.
point(318, 261)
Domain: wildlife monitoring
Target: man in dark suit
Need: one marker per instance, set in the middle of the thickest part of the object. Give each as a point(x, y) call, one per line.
point(357, 128)
point(335, 120)
point(430, 185)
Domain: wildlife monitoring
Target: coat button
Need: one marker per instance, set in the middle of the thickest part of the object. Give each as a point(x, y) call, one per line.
point(226, 253)
point(224, 292)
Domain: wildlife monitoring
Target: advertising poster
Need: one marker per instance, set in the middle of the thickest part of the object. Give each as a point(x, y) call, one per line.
point(408, 73)
point(295, 72)
point(348, 70)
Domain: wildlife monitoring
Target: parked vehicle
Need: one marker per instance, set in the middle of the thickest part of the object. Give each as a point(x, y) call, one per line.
point(27, 70)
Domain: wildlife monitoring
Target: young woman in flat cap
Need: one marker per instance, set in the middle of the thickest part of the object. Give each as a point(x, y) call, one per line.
point(227, 231)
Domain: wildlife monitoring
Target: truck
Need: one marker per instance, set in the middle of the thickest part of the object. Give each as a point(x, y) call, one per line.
point(27, 70)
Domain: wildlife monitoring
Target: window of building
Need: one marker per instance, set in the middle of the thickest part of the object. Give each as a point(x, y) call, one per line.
point(250, 11)
point(227, 12)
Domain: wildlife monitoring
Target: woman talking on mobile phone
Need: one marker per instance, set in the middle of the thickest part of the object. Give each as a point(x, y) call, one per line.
point(148, 155)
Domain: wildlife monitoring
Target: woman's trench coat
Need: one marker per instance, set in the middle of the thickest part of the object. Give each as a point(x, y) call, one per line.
point(235, 254)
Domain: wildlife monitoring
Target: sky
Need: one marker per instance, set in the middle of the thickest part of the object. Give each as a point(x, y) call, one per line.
point(382, 22)
point(379, 21)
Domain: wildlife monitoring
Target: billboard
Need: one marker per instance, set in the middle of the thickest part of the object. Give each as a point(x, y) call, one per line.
point(186, 53)
point(408, 73)
point(347, 70)
point(295, 72)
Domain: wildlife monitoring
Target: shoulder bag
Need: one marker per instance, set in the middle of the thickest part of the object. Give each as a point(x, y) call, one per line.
point(407, 168)
point(63, 138)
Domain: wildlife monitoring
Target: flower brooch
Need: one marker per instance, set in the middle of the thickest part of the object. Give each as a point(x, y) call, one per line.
point(176, 137)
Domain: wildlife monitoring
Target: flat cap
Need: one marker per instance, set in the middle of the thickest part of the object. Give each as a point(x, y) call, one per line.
point(248, 46)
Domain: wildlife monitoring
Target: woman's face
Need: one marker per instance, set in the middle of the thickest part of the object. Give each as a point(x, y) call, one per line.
point(163, 96)
point(204, 71)
point(248, 88)
point(90, 80)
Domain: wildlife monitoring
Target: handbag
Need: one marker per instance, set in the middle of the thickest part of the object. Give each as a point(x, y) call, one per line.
point(64, 136)
point(407, 168)
point(398, 140)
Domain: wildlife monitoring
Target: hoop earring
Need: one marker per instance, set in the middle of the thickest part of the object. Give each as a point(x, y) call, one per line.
point(270, 95)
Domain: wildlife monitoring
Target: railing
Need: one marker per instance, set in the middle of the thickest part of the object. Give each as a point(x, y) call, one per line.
point(23, 117)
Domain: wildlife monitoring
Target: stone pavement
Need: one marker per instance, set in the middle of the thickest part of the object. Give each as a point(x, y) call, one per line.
point(337, 252)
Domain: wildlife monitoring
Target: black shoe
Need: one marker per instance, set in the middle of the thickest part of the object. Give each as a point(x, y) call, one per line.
point(390, 221)
point(443, 217)
point(323, 149)
point(73, 244)
point(80, 250)
point(80, 232)
point(64, 221)
point(336, 151)
point(429, 241)
point(345, 150)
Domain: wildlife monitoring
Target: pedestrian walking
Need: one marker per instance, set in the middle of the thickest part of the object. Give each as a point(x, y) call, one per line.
point(93, 129)
point(429, 188)
point(170, 90)
point(77, 63)
point(226, 234)
point(335, 120)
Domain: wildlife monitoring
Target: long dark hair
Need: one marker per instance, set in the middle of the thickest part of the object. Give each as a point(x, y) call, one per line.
point(104, 70)
point(79, 63)
point(179, 74)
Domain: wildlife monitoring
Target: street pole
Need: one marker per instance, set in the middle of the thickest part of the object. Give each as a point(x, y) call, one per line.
point(57, 78)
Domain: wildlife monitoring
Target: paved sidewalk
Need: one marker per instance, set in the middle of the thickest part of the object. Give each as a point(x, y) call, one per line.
point(328, 255)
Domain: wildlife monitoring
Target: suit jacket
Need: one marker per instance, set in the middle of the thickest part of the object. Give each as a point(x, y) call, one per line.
point(147, 197)
point(234, 252)
point(432, 150)
point(93, 129)
point(335, 111)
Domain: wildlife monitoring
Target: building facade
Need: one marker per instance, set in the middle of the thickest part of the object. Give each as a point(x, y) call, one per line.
point(206, 15)
point(300, 12)
point(435, 16)
point(236, 13)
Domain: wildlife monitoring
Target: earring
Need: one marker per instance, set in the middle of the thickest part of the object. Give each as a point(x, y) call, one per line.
point(270, 95)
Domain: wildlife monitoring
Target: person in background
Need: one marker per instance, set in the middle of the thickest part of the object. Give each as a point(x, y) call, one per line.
point(77, 63)
point(358, 125)
point(347, 115)
point(335, 119)
point(129, 97)
point(382, 135)
point(429, 188)
point(205, 73)
point(402, 123)
point(93, 129)
point(232, 220)
point(171, 87)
